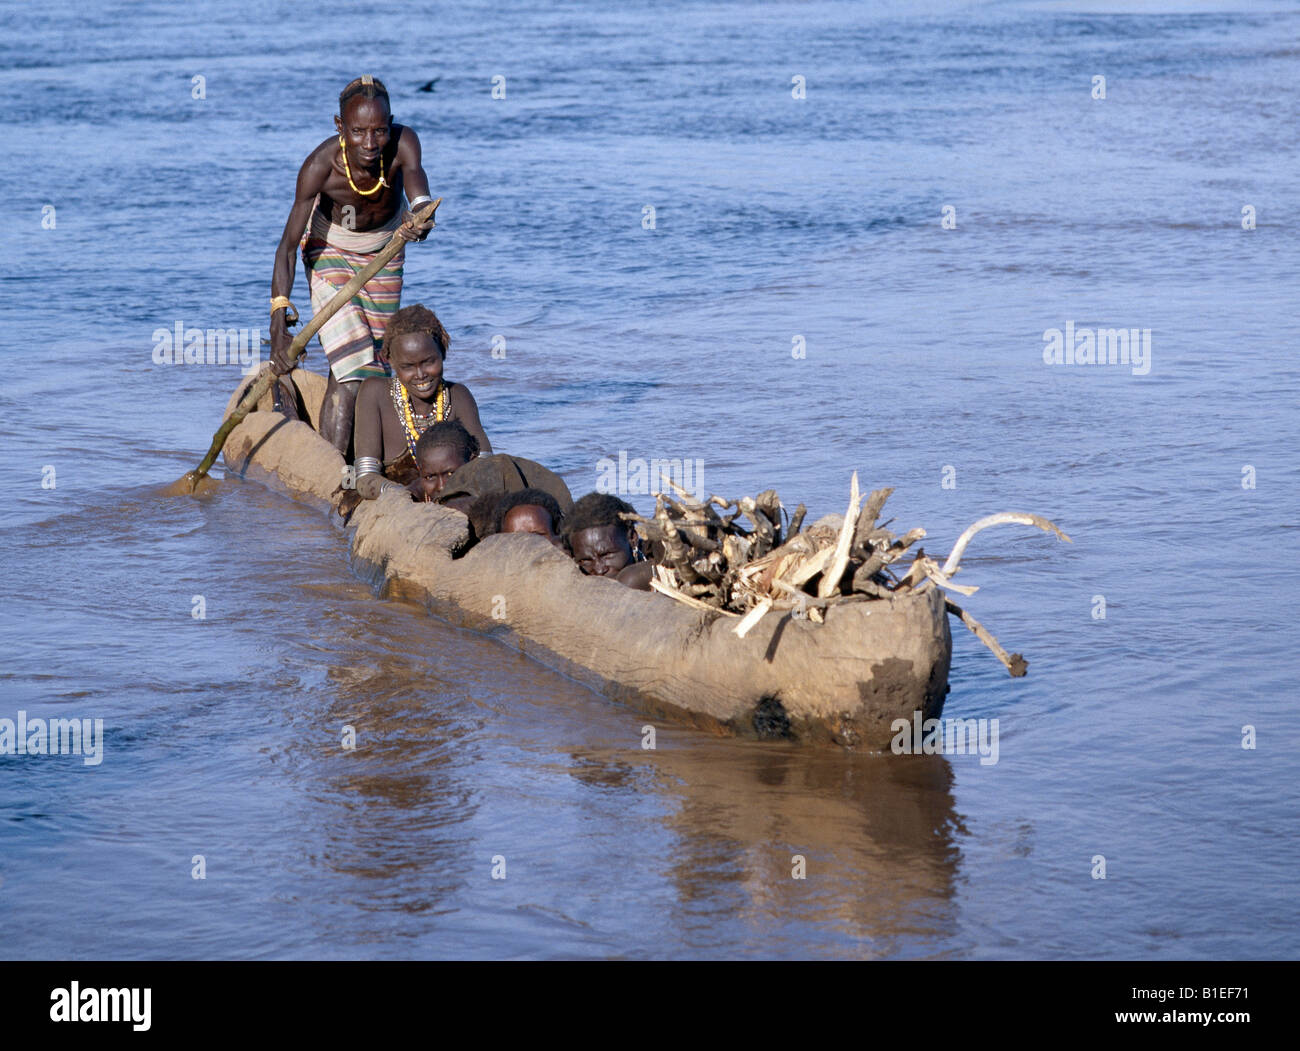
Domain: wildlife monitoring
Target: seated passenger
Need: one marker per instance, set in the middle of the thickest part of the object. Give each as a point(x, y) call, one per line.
point(441, 451)
point(392, 413)
point(605, 545)
point(529, 511)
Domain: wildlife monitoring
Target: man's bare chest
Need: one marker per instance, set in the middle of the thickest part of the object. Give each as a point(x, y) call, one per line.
point(344, 205)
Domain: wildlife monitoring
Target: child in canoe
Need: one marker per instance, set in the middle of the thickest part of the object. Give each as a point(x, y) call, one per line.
point(449, 471)
point(392, 412)
point(441, 451)
point(529, 511)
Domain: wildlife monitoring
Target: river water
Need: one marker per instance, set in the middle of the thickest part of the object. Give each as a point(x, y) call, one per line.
point(779, 223)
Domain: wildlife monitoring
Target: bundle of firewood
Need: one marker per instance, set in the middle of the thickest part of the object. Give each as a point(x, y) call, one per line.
point(741, 558)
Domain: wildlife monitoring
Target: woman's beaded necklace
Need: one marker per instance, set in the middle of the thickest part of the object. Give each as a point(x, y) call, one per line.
point(414, 424)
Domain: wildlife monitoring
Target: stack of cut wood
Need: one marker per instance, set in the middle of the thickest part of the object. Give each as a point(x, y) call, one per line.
point(739, 558)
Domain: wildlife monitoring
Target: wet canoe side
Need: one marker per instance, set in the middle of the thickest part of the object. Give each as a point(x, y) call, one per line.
point(843, 681)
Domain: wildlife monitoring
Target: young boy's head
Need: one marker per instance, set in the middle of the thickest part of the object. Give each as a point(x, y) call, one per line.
point(440, 452)
point(529, 511)
point(599, 540)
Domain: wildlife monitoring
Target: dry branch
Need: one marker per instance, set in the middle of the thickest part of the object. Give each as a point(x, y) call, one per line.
point(1016, 664)
point(735, 557)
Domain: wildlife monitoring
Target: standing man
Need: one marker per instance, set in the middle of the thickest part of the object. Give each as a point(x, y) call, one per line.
point(350, 190)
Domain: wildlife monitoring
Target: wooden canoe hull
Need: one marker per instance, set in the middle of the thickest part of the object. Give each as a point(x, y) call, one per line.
point(843, 681)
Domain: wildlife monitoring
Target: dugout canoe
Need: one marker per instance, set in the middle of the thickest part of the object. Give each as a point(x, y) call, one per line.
point(841, 682)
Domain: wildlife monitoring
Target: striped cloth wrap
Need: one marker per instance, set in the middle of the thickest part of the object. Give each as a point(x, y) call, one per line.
point(332, 255)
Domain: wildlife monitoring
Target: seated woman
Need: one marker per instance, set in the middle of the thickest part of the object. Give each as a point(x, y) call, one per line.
point(603, 544)
point(392, 413)
point(441, 451)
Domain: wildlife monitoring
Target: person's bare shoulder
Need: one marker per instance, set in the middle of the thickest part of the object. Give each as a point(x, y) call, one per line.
point(321, 159)
point(461, 398)
point(316, 169)
point(408, 145)
point(372, 391)
point(637, 575)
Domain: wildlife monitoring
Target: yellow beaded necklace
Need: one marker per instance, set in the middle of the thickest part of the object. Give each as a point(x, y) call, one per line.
point(441, 407)
point(343, 152)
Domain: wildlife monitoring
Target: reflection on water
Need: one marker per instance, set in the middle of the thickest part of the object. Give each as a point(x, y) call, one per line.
point(724, 819)
point(874, 837)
